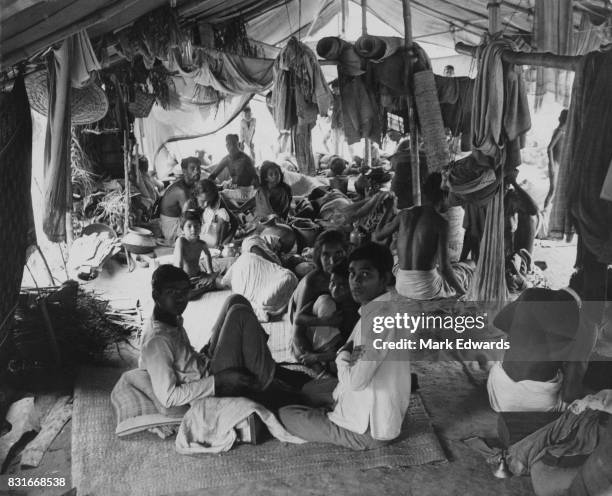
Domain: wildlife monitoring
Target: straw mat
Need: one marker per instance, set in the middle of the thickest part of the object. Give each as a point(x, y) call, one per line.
point(145, 465)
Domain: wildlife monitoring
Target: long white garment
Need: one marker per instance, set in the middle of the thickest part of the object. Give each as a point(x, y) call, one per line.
point(506, 395)
point(421, 284)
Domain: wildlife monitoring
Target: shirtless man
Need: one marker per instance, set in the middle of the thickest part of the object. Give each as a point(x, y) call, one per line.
point(422, 243)
point(554, 150)
point(240, 166)
point(173, 199)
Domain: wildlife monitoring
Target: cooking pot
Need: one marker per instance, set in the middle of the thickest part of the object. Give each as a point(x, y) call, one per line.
point(307, 232)
point(139, 241)
point(284, 232)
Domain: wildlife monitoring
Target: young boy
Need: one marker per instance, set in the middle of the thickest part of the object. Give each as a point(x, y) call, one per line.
point(338, 179)
point(235, 362)
point(373, 391)
point(326, 340)
point(187, 251)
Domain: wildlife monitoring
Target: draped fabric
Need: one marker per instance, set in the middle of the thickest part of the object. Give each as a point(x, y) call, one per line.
point(205, 100)
point(553, 30)
point(16, 216)
point(69, 66)
point(586, 159)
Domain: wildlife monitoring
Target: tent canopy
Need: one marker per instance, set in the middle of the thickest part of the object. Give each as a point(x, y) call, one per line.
point(28, 27)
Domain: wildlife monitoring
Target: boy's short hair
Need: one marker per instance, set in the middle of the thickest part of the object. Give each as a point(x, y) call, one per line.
point(192, 214)
point(378, 255)
point(206, 187)
point(232, 137)
point(337, 166)
point(328, 237)
point(190, 160)
point(165, 275)
point(432, 187)
point(246, 109)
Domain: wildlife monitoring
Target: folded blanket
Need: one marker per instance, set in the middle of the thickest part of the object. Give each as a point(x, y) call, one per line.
point(208, 427)
point(137, 408)
point(506, 395)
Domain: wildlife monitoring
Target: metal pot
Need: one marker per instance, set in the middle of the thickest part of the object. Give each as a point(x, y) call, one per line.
point(139, 241)
point(307, 232)
point(285, 234)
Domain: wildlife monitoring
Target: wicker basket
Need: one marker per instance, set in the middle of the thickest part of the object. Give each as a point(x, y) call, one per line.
point(142, 104)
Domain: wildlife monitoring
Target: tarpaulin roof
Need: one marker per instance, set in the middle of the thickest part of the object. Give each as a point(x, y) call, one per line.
point(29, 26)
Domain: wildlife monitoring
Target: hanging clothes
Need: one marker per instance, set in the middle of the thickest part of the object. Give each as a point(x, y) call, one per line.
point(553, 32)
point(456, 95)
point(16, 215)
point(69, 66)
point(300, 93)
point(586, 159)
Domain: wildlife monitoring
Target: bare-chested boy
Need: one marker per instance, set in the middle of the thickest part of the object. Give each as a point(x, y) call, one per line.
point(171, 206)
point(425, 270)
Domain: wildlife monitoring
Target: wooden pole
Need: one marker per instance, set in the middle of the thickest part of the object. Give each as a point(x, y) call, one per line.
point(542, 59)
point(367, 153)
point(494, 16)
point(344, 8)
point(126, 171)
point(414, 132)
point(316, 17)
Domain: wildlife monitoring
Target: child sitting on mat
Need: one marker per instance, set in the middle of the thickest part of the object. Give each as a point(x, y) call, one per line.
point(188, 249)
point(325, 341)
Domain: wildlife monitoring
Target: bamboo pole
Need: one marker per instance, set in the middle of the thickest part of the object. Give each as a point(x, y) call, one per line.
point(542, 59)
point(126, 171)
point(414, 132)
point(367, 152)
point(344, 9)
point(494, 16)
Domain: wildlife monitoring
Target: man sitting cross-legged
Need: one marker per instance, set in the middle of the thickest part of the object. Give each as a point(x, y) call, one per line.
point(422, 243)
point(235, 362)
point(373, 391)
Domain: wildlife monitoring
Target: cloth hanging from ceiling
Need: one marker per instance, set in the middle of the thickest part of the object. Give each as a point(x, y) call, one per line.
point(553, 32)
point(361, 115)
point(16, 215)
point(586, 159)
point(203, 101)
point(500, 112)
point(69, 66)
point(300, 93)
point(456, 95)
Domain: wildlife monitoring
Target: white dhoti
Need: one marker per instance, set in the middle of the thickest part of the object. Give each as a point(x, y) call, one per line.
point(506, 395)
point(170, 226)
point(421, 284)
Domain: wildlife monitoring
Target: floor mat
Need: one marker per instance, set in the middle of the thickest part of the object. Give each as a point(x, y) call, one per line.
point(145, 465)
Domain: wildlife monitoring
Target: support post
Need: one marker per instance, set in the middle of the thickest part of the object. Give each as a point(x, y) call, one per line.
point(126, 171)
point(367, 153)
point(344, 9)
point(414, 132)
point(494, 16)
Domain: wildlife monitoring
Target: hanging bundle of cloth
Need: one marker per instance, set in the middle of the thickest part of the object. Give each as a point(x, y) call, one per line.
point(586, 159)
point(455, 95)
point(359, 103)
point(300, 93)
point(500, 116)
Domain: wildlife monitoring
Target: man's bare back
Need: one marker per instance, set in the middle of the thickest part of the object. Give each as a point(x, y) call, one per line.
point(420, 232)
point(174, 198)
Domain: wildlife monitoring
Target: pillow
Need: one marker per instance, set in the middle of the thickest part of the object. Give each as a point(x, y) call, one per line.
point(136, 407)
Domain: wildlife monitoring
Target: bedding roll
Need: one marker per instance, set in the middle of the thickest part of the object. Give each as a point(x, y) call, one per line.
point(377, 47)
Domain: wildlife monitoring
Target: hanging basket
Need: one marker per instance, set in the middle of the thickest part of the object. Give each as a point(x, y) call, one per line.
point(142, 104)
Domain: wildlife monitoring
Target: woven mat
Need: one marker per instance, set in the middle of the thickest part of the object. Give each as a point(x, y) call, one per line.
point(145, 465)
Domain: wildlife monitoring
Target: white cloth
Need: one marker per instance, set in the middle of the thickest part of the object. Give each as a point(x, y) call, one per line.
point(601, 401)
point(208, 426)
point(170, 226)
point(320, 336)
point(506, 395)
point(373, 392)
point(210, 216)
point(267, 285)
point(421, 284)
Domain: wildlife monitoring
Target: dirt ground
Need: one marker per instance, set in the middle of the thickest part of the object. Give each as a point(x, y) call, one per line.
point(458, 406)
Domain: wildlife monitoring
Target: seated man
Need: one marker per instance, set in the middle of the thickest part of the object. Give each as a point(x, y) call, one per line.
point(240, 166)
point(373, 391)
point(235, 362)
point(175, 196)
point(521, 218)
point(422, 243)
point(536, 373)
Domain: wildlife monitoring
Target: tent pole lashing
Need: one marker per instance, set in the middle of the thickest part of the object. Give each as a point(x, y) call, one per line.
point(367, 154)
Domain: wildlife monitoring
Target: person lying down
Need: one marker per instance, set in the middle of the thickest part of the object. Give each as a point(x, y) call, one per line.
point(425, 271)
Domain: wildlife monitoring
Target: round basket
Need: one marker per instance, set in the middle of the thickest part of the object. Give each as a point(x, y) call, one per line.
point(142, 104)
point(87, 105)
